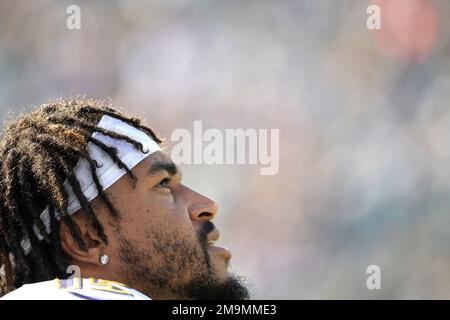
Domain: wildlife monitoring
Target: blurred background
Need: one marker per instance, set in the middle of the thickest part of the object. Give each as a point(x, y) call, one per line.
point(363, 116)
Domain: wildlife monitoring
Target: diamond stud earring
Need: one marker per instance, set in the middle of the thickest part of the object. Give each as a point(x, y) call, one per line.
point(104, 259)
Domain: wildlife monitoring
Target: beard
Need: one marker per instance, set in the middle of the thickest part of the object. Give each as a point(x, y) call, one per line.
point(171, 267)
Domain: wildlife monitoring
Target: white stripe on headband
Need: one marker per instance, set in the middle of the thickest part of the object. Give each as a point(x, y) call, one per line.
point(109, 172)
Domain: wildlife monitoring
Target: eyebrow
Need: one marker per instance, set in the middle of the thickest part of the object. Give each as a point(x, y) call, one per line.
point(168, 166)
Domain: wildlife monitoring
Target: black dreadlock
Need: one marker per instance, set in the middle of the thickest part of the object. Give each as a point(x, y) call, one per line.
point(38, 152)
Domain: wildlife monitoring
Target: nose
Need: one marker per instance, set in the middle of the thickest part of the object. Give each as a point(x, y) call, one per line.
point(200, 207)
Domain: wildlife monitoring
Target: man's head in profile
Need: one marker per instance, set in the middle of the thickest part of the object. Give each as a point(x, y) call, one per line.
point(84, 184)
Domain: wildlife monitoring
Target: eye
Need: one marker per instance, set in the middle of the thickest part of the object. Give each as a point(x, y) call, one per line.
point(164, 183)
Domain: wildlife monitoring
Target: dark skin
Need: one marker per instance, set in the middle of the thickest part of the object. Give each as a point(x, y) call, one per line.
point(153, 246)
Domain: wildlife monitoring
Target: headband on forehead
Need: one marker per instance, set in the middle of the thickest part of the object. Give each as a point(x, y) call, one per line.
point(108, 172)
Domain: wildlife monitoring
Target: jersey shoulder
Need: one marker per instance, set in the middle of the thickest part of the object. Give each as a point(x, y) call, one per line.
point(75, 289)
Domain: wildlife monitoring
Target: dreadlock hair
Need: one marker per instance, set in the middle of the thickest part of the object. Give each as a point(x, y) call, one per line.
point(38, 153)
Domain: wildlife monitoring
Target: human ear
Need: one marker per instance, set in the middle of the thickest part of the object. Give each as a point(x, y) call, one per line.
point(93, 245)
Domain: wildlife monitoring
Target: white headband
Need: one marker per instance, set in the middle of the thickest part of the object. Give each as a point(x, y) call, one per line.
point(108, 172)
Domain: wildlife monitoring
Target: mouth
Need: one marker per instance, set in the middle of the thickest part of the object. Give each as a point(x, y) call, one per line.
point(212, 238)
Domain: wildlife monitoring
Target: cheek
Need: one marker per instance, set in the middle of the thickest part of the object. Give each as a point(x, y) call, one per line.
point(154, 213)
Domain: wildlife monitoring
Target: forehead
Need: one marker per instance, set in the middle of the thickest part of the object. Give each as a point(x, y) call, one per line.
point(153, 161)
point(157, 156)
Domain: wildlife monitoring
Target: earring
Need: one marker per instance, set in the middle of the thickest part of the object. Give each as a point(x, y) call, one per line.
point(104, 259)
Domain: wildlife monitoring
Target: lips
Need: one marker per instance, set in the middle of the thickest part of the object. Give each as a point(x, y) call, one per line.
point(212, 238)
